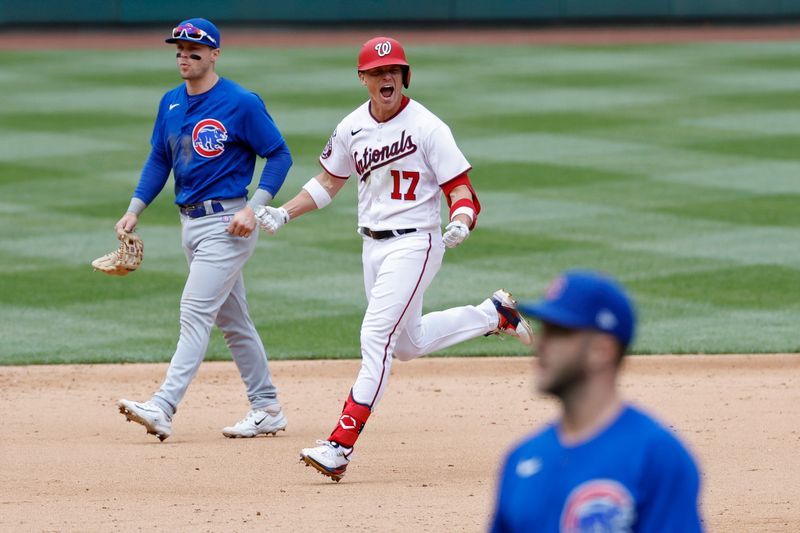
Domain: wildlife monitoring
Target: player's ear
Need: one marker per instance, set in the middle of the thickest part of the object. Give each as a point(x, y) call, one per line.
point(215, 55)
point(604, 350)
point(361, 78)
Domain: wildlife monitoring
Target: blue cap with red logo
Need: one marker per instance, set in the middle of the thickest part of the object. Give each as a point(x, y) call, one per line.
point(583, 299)
point(196, 30)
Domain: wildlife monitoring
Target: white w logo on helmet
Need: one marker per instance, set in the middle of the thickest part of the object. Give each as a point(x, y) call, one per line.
point(383, 48)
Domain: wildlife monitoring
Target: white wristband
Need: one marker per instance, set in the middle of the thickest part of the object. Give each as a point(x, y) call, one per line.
point(464, 210)
point(317, 192)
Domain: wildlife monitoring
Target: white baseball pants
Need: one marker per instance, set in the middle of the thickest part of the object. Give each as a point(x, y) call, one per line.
point(397, 271)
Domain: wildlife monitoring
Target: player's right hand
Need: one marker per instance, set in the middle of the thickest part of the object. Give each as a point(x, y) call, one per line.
point(271, 218)
point(127, 223)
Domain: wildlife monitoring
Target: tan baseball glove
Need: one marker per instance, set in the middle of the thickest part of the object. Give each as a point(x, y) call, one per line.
point(124, 259)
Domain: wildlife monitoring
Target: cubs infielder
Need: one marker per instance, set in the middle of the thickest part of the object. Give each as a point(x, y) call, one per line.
point(403, 157)
point(209, 131)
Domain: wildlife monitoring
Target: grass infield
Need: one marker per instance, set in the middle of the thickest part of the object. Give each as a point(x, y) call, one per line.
point(674, 167)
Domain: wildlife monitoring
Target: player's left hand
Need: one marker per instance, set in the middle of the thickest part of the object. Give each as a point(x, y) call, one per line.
point(127, 223)
point(243, 223)
point(455, 233)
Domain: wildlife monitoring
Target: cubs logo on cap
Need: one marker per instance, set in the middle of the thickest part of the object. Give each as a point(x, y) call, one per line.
point(583, 299)
point(555, 288)
point(208, 137)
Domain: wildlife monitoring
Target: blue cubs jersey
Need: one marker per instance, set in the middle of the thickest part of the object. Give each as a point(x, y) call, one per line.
point(634, 476)
point(210, 141)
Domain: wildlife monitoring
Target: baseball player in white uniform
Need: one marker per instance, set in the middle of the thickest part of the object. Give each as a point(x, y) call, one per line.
point(403, 157)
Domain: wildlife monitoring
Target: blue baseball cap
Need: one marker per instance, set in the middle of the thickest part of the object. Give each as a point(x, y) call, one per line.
point(584, 299)
point(196, 30)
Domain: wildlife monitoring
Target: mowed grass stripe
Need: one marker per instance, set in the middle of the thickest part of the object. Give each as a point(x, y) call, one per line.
point(670, 166)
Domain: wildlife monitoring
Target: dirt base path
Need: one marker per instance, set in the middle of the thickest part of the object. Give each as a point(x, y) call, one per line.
point(427, 461)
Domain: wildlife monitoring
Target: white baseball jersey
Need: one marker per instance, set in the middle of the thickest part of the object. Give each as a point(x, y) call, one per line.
point(400, 165)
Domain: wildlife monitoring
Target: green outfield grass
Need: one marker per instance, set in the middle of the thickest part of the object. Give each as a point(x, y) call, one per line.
point(674, 167)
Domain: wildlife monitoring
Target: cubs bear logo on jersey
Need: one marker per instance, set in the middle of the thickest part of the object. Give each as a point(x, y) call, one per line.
point(208, 137)
point(598, 505)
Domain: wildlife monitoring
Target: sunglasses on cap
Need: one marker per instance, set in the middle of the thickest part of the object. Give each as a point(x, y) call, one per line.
point(192, 33)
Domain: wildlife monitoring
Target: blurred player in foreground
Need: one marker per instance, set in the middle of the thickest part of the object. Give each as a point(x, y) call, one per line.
point(604, 465)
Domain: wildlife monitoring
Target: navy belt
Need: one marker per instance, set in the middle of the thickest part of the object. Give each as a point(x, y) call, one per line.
point(208, 207)
point(385, 234)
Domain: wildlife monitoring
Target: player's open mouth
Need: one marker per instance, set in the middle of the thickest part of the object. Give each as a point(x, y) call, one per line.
point(387, 91)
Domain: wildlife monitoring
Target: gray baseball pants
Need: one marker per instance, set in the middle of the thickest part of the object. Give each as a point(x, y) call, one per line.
point(214, 294)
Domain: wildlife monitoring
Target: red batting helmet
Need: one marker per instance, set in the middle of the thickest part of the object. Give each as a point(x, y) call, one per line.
point(382, 51)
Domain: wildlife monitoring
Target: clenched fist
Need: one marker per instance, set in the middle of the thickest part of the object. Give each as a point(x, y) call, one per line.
point(455, 233)
point(271, 218)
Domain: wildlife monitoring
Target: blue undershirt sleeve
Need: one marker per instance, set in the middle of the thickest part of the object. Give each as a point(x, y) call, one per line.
point(158, 165)
point(279, 160)
point(154, 175)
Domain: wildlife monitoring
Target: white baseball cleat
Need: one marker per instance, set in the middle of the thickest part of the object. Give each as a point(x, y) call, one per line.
point(509, 319)
point(148, 414)
point(330, 458)
point(257, 422)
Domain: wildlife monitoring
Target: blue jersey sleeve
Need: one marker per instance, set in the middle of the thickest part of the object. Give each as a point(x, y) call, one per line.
point(259, 129)
point(500, 521)
point(158, 165)
point(266, 140)
point(278, 163)
point(670, 492)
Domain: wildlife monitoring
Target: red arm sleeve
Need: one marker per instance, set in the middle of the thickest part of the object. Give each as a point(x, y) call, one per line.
point(461, 179)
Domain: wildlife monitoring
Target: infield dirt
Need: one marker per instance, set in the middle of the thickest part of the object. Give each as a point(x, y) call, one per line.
point(427, 460)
